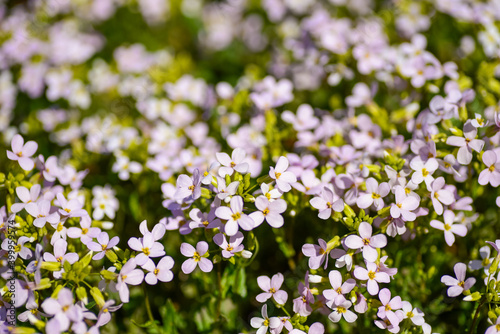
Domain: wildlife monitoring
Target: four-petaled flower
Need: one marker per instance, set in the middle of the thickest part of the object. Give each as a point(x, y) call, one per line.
point(22, 152)
point(233, 163)
point(102, 245)
point(282, 177)
point(459, 284)
point(235, 216)
point(366, 242)
point(336, 296)
point(271, 287)
point(373, 276)
point(197, 257)
point(449, 228)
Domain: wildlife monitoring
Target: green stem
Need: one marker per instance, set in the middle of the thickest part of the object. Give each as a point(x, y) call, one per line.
point(476, 315)
point(148, 310)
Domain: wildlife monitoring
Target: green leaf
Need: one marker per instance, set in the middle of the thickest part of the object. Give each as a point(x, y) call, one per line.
point(241, 283)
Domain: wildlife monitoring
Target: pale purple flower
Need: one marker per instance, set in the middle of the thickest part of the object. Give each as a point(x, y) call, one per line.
point(60, 255)
point(233, 163)
point(459, 284)
point(404, 205)
point(157, 232)
point(326, 202)
point(467, 143)
point(282, 177)
point(51, 169)
point(271, 287)
point(128, 276)
point(224, 191)
point(302, 304)
point(486, 261)
point(229, 248)
point(41, 212)
point(85, 232)
point(479, 121)
point(104, 315)
point(389, 306)
point(372, 275)
point(342, 310)
point(285, 323)
point(449, 228)
point(304, 120)
point(264, 323)
point(188, 188)
point(26, 196)
point(160, 272)
point(414, 314)
point(147, 247)
point(317, 254)
point(22, 152)
point(495, 328)
point(197, 257)
point(440, 195)
point(63, 311)
point(272, 194)
point(491, 174)
point(335, 296)
point(234, 216)
point(270, 211)
point(342, 257)
point(366, 242)
point(374, 194)
point(203, 220)
point(102, 245)
point(71, 208)
point(19, 248)
point(495, 245)
point(423, 170)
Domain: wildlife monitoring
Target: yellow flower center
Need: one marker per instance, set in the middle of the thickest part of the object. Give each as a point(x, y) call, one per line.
point(410, 314)
point(272, 290)
point(104, 247)
point(265, 212)
point(236, 216)
point(339, 290)
point(341, 309)
point(492, 168)
point(232, 164)
point(67, 210)
point(277, 175)
point(371, 275)
point(447, 227)
point(196, 257)
point(229, 248)
point(85, 230)
point(328, 205)
point(65, 308)
point(191, 188)
point(366, 241)
point(17, 249)
point(388, 307)
point(205, 174)
point(266, 322)
point(105, 310)
point(205, 223)
point(375, 196)
point(156, 271)
point(424, 172)
point(461, 284)
point(59, 259)
point(146, 251)
point(59, 227)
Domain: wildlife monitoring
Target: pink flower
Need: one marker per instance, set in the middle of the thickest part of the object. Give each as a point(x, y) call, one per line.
point(262, 324)
point(336, 296)
point(41, 212)
point(270, 211)
point(414, 314)
point(71, 208)
point(389, 306)
point(234, 216)
point(86, 233)
point(128, 276)
point(459, 284)
point(467, 143)
point(160, 272)
point(342, 310)
point(366, 242)
point(26, 196)
point(440, 195)
point(22, 152)
point(304, 120)
point(229, 248)
point(60, 247)
point(188, 188)
point(327, 202)
point(233, 163)
point(282, 177)
point(203, 220)
point(372, 276)
point(491, 174)
point(272, 288)
point(316, 254)
point(19, 248)
point(449, 228)
point(423, 171)
point(375, 194)
point(102, 245)
point(495, 329)
point(147, 246)
point(197, 257)
point(63, 311)
point(404, 205)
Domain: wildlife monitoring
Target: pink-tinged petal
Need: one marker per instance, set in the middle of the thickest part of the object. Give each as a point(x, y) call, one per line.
point(223, 212)
point(370, 254)
point(188, 266)
point(361, 273)
point(98, 256)
point(476, 144)
point(165, 275)
point(275, 220)
point(460, 270)
point(26, 163)
point(456, 141)
point(202, 248)
point(449, 237)
point(449, 217)
point(238, 155)
point(281, 165)
point(236, 204)
point(372, 287)
point(264, 283)
point(124, 292)
point(459, 229)
point(94, 246)
point(262, 203)
point(223, 171)
point(17, 143)
point(354, 242)
point(446, 197)
point(489, 158)
point(103, 238)
point(437, 224)
point(469, 282)
point(315, 262)
point(51, 306)
point(246, 222)
point(113, 242)
point(309, 250)
point(263, 297)
point(455, 291)
point(348, 285)
point(378, 241)
point(71, 257)
point(350, 316)
point(417, 177)
point(288, 177)
point(231, 228)
point(371, 185)
point(187, 249)
point(438, 207)
point(281, 297)
point(12, 156)
point(364, 201)
point(74, 232)
point(135, 244)
point(16, 207)
point(464, 155)
point(205, 265)
point(283, 186)
point(335, 316)
point(257, 217)
point(365, 230)
point(151, 279)
point(23, 194)
point(382, 277)
point(335, 278)
point(395, 211)
point(278, 206)
point(30, 148)
point(318, 203)
point(242, 168)
point(277, 280)
point(256, 322)
point(223, 158)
